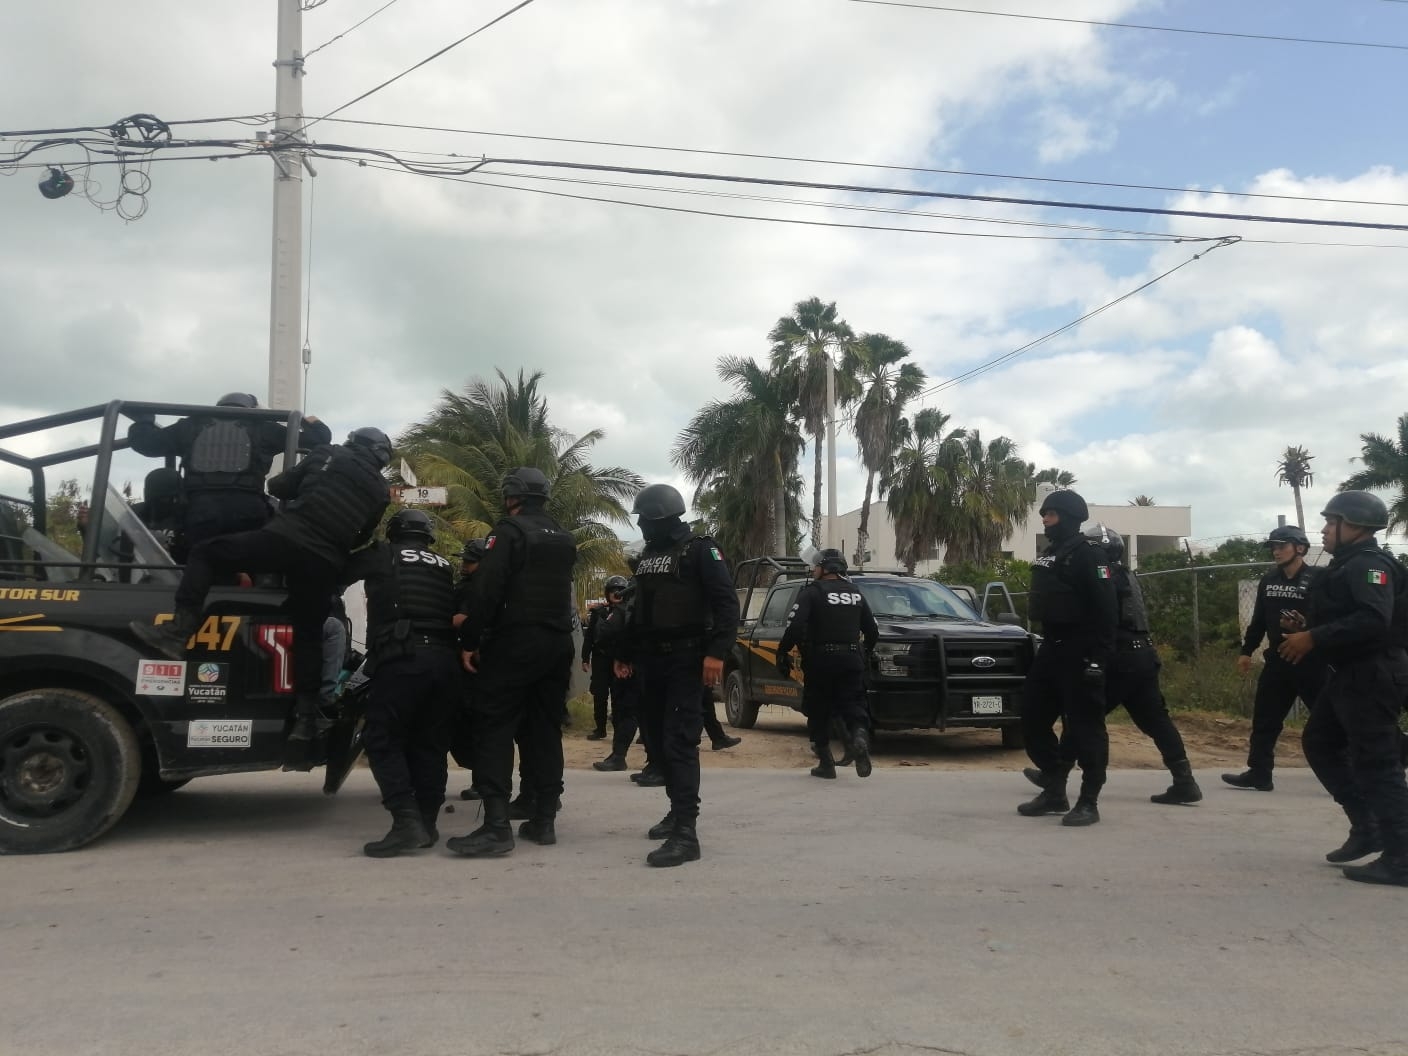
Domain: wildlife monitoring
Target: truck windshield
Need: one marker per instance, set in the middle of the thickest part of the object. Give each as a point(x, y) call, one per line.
point(913, 599)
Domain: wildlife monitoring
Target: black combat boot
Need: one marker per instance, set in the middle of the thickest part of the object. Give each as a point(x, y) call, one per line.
point(524, 806)
point(298, 754)
point(1363, 841)
point(168, 639)
point(429, 816)
point(610, 764)
point(493, 838)
point(540, 829)
point(726, 742)
point(469, 793)
point(1051, 799)
point(859, 745)
point(1250, 779)
point(1083, 813)
point(826, 766)
point(662, 828)
point(598, 734)
point(1033, 775)
point(1184, 789)
point(1385, 869)
point(682, 845)
point(407, 834)
point(649, 778)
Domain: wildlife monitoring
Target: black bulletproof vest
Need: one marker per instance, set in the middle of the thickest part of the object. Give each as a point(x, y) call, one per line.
point(1134, 617)
point(1331, 597)
point(414, 585)
point(540, 594)
point(222, 456)
point(1054, 600)
point(669, 596)
point(339, 497)
point(835, 617)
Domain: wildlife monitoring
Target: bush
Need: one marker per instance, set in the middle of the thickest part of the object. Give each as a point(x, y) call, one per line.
point(1209, 683)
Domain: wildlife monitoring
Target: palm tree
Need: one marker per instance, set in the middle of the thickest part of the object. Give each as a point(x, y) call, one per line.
point(887, 385)
point(1142, 500)
point(471, 439)
point(1385, 466)
point(742, 455)
point(991, 492)
point(1294, 469)
point(918, 486)
point(1060, 479)
point(806, 340)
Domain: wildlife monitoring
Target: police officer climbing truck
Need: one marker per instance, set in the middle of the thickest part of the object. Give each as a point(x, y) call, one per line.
point(827, 622)
point(1073, 598)
point(682, 622)
point(1358, 625)
point(1280, 607)
point(414, 665)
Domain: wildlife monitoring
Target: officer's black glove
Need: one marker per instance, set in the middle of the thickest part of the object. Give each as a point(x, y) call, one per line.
point(784, 664)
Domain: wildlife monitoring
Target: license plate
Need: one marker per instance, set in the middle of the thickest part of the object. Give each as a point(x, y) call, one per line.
point(987, 705)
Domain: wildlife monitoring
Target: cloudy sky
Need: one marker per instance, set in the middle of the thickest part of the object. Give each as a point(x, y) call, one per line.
point(1186, 392)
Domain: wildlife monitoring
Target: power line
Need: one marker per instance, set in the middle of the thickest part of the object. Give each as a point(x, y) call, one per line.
point(349, 29)
point(1131, 25)
point(859, 164)
point(430, 58)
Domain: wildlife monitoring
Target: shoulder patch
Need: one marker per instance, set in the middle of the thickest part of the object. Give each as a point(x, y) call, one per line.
point(1378, 576)
point(1102, 571)
point(489, 542)
point(714, 552)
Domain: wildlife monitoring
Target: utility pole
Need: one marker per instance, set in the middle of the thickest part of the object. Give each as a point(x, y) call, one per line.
point(830, 452)
point(285, 306)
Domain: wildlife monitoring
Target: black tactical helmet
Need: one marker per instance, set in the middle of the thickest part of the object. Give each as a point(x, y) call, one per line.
point(527, 484)
point(1110, 541)
point(1068, 504)
point(1359, 508)
point(614, 585)
point(473, 551)
point(1288, 533)
point(238, 399)
point(410, 522)
point(830, 560)
point(374, 440)
point(657, 502)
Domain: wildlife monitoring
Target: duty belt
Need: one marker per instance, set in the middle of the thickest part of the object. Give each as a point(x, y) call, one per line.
point(838, 647)
point(665, 646)
point(1131, 645)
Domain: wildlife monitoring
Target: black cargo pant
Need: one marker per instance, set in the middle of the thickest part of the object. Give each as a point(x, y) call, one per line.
point(410, 715)
point(1351, 741)
point(600, 687)
point(671, 713)
point(1133, 683)
point(523, 680)
point(461, 732)
point(310, 579)
point(224, 512)
point(625, 714)
point(1057, 688)
point(710, 714)
point(1276, 690)
point(833, 687)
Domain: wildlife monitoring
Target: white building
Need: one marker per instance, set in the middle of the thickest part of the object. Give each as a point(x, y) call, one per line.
point(1146, 530)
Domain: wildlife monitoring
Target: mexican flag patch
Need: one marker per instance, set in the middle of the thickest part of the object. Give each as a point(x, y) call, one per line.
point(489, 542)
point(1102, 571)
point(1375, 576)
point(715, 551)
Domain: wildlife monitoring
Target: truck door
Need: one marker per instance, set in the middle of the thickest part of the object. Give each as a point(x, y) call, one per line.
point(767, 685)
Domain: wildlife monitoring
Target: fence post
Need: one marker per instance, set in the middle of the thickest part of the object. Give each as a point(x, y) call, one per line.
point(1197, 627)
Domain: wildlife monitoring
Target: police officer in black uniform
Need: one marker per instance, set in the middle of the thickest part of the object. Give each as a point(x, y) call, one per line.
point(334, 500)
point(1280, 606)
point(517, 638)
point(223, 464)
point(828, 621)
point(1073, 598)
point(595, 658)
point(414, 665)
point(1358, 624)
point(462, 738)
point(683, 620)
point(605, 630)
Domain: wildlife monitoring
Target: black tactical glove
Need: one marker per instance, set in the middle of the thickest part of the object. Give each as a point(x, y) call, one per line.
point(784, 664)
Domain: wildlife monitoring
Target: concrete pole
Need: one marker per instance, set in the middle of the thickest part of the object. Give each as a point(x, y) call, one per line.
point(830, 453)
point(285, 306)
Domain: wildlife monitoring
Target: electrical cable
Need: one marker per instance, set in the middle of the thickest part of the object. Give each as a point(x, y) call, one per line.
point(1130, 25)
point(308, 301)
point(430, 58)
point(858, 164)
point(309, 54)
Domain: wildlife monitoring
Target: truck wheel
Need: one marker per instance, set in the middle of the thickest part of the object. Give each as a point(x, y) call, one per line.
point(1012, 736)
point(740, 712)
point(69, 767)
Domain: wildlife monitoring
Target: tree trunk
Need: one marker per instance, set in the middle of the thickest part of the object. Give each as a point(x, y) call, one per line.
point(779, 508)
point(1300, 511)
point(816, 489)
point(863, 536)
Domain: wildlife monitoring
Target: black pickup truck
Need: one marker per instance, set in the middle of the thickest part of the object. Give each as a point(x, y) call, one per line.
point(938, 664)
point(88, 718)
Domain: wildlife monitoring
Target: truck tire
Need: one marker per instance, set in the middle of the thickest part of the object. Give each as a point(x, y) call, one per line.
point(1012, 736)
point(741, 713)
point(69, 767)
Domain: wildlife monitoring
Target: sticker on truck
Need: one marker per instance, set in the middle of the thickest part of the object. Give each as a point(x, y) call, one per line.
point(219, 733)
point(161, 678)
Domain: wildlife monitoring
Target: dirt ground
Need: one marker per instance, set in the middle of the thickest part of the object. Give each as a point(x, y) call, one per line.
point(779, 741)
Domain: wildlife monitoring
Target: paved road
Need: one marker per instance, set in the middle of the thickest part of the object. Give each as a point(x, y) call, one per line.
point(913, 912)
